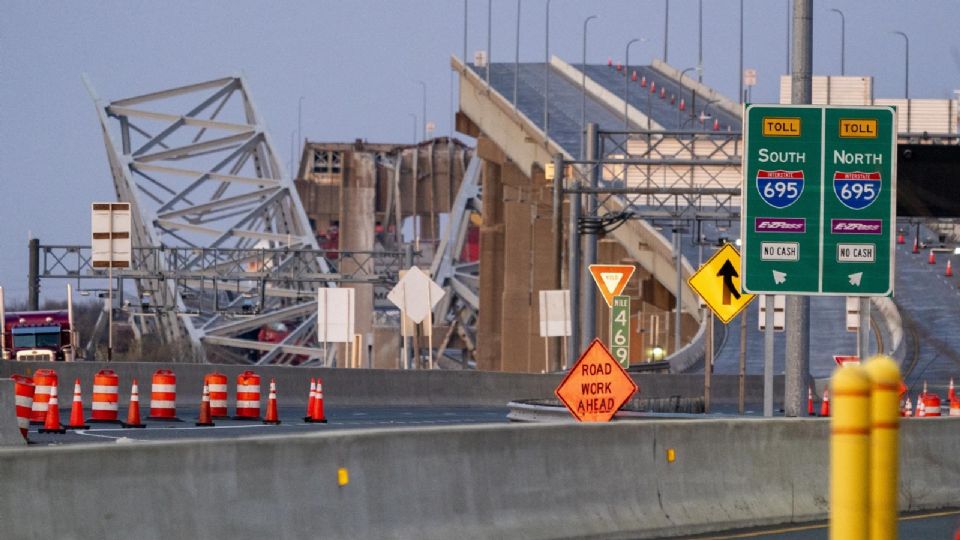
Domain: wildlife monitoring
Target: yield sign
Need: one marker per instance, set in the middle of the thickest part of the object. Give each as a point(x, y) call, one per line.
point(596, 386)
point(718, 283)
point(846, 360)
point(611, 279)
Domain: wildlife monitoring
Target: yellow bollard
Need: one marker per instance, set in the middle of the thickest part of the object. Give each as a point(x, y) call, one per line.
point(849, 454)
point(884, 446)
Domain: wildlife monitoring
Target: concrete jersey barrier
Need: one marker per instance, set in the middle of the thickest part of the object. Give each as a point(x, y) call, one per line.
point(510, 481)
point(9, 431)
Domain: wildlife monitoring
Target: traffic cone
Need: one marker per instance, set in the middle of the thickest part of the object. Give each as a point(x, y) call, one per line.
point(920, 412)
point(951, 392)
point(619, 66)
point(609, 62)
point(716, 124)
point(205, 419)
point(908, 409)
point(133, 410)
point(901, 239)
point(932, 259)
point(916, 246)
point(653, 87)
point(825, 405)
point(810, 411)
point(673, 99)
point(313, 397)
point(683, 104)
point(272, 417)
point(643, 81)
point(51, 423)
point(76, 412)
point(317, 414)
point(633, 77)
point(663, 92)
point(949, 271)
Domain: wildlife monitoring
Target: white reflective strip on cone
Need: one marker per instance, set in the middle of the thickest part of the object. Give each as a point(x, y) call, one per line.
point(163, 404)
point(218, 403)
point(932, 409)
point(217, 387)
point(23, 401)
point(954, 411)
point(248, 404)
point(103, 406)
point(103, 389)
point(248, 388)
point(172, 388)
point(41, 389)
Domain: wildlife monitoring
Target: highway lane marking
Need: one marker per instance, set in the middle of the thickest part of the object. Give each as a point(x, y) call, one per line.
point(801, 528)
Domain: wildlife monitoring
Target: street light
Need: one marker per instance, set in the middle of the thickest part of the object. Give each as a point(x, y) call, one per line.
point(546, 76)
point(583, 88)
point(414, 117)
point(682, 73)
point(740, 74)
point(423, 110)
point(666, 27)
point(299, 123)
point(626, 82)
point(843, 40)
point(906, 78)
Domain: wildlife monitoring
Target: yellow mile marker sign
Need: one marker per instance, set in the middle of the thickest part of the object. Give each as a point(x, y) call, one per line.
point(718, 283)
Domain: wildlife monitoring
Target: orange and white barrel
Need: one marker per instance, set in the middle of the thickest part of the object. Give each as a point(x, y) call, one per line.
point(23, 396)
point(163, 395)
point(931, 405)
point(43, 381)
point(104, 404)
point(217, 388)
point(248, 395)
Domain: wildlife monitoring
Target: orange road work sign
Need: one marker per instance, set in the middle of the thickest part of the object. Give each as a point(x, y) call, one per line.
point(596, 386)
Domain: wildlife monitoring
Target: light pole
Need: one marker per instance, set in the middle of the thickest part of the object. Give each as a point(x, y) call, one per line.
point(626, 83)
point(465, 31)
point(423, 110)
point(414, 117)
point(489, 38)
point(299, 123)
point(666, 27)
point(546, 76)
point(516, 61)
point(583, 87)
point(843, 40)
point(700, 41)
point(740, 74)
point(906, 76)
point(292, 135)
point(682, 73)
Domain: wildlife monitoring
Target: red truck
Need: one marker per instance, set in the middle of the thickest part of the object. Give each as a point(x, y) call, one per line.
point(38, 335)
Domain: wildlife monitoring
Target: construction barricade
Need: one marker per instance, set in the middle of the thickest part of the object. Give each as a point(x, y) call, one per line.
point(216, 384)
point(163, 396)
point(23, 396)
point(43, 381)
point(248, 396)
point(103, 406)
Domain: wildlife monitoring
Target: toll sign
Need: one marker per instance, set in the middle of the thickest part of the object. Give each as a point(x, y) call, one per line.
point(596, 386)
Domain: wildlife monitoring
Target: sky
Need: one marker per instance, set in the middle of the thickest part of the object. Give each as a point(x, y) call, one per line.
point(356, 65)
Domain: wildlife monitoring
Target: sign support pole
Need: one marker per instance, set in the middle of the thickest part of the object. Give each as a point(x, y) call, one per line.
point(110, 289)
point(743, 363)
point(708, 364)
point(797, 309)
point(768, 357)
point(863, 343)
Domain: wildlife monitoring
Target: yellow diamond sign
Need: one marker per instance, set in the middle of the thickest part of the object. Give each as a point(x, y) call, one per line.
point(718, 283)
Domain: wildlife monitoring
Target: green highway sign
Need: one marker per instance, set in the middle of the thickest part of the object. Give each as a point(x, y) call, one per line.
point(819, 200)
point(620, 330)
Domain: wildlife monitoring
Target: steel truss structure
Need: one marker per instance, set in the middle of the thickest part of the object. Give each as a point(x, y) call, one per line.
point(208, 190)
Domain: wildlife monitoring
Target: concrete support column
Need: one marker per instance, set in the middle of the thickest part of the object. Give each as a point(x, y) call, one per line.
point(491, 259)
point(357, 220)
